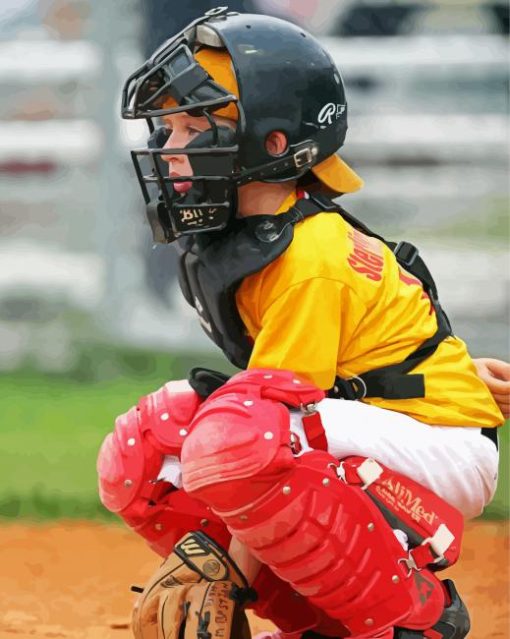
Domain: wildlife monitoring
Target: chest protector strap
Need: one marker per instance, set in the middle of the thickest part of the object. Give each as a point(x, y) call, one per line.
point(388, 382)
point(212, 268)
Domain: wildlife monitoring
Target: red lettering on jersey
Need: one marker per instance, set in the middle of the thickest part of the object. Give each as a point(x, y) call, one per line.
point(414, 281)
point(364, 269)
point(408, 279)
point(365, 257)
point(369, 258)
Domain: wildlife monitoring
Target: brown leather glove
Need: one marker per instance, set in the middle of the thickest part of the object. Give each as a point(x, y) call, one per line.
point(197, 593)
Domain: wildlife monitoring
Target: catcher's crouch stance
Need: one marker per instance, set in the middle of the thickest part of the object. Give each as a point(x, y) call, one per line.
point(346, 546)
point(330, 517)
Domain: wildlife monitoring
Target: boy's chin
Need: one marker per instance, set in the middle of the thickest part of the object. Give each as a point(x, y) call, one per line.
point(182, 187)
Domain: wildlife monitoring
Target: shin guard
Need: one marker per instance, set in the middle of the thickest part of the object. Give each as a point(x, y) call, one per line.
point(327, 538)
point(334, 546)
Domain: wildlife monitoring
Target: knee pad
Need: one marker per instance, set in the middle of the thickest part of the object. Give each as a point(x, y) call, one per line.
point(130, 460)
point(239, 441)
point(127, 466)
point(236, 450)
point(131, 457)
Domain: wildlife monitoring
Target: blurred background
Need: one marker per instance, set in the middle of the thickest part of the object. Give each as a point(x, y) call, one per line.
point(91, 317)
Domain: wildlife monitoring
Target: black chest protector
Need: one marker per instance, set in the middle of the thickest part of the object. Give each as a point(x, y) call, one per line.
point(212, 269)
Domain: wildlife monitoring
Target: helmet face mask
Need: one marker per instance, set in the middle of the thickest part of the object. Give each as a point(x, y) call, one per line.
point(172, 72)
point(285, 80)
point(210, 202)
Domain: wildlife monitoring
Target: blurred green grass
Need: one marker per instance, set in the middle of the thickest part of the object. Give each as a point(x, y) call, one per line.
point(52, 427)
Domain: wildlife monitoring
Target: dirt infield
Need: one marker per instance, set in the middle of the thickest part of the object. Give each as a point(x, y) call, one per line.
point(71, 579)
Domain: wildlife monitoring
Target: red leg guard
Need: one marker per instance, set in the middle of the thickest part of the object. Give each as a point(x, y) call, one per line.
point(129, 463)
point(334, 546)
point(326, 538)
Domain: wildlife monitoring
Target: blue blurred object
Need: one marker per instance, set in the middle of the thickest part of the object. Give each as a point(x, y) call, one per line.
point(375, 18)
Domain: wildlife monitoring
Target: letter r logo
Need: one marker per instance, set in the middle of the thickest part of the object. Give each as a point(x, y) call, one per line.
point(329, 111)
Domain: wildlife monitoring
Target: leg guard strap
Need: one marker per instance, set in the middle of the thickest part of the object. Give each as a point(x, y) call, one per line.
point(434, 527)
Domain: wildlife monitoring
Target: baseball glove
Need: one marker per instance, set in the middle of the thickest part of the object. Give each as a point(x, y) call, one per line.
point(197, 593)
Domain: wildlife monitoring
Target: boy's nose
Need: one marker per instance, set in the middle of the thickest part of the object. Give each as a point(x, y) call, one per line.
point(173, 159)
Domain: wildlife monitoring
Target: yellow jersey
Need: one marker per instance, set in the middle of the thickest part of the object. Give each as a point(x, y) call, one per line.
point(336, 302)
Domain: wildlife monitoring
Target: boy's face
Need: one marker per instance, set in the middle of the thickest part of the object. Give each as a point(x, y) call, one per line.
point(182, 129)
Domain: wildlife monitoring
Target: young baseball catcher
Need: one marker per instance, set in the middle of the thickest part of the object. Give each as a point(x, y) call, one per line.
point(324, 486)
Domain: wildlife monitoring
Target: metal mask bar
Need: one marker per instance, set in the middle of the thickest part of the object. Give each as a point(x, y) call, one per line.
point(187, 34)
point(165, 69)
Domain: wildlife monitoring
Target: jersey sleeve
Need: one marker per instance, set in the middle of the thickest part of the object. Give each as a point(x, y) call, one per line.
point(300, 331)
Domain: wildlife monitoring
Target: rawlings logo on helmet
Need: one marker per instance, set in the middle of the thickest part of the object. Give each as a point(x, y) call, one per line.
point(329, 110)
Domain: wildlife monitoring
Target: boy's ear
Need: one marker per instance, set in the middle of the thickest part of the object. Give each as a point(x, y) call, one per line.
point(276, 143)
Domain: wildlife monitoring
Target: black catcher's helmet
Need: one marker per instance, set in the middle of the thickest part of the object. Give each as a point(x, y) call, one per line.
point(277, 78)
